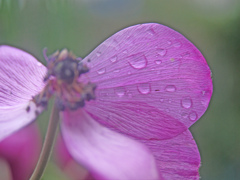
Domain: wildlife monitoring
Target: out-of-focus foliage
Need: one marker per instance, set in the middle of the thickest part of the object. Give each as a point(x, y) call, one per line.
point(80, 25)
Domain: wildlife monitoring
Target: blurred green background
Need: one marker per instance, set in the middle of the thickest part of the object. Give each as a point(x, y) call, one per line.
point(80, 25)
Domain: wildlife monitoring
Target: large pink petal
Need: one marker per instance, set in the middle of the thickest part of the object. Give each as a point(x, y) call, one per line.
point(21, 77)
point(105, 153)
point(21, 151)
point(152, 64)
point(177, 158)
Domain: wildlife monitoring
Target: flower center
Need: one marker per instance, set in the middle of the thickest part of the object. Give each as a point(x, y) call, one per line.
point(62, 81)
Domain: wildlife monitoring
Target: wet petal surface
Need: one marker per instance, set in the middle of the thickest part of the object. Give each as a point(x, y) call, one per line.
point(105, 153)
point(152, 64)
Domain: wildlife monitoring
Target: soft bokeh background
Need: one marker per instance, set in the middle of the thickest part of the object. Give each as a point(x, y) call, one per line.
point(80, 25)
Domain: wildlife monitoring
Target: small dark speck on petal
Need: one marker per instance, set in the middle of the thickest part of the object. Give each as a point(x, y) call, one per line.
point(28, 109)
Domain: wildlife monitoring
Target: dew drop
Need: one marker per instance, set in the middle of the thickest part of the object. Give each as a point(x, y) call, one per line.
point(144, 88)
point(162, 52)
point(193, 116)
point(161, 100)
point(113, 59)
point(150, 31)
point(101, 71)
point(98, 54)
point(39, 64)
point(186, 102)
point(205, 101)
point(158, 62)
point(120, 91)
point(129, 73)
point(137, 61)
point(169, 42)
point(170, 88)
point(205, 98)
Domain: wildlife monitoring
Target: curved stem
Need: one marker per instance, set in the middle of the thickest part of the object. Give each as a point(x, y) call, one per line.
point(47, 145)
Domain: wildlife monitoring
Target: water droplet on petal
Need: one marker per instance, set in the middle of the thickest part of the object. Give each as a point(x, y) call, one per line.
point(186, 102)
point(169, 42)
point(193, 116)
point(39, 64)
point(161, 100)
point(150, 31)
point(113, 59)
point(170, 88)
point(101, 71)
point(205, 98)
point(158, 62)
point(161, 52)
point(144, 88)
point(137, 61)
point(129, 73)
point(120, 91)
point(98, 54)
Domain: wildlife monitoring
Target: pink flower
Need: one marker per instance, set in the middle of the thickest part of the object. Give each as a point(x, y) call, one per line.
point(20, 152)
point(152, 85)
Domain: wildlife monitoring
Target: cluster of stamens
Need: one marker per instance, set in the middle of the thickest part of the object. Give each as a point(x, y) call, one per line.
point(62, 81)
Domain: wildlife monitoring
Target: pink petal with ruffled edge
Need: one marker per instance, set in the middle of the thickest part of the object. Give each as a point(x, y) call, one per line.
point(21, 151)
point(105, 153)
point(154, 65)
point(176, 158)
point(21, 77)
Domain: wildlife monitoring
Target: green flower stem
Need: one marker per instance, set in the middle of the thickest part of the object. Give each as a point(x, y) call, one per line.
point(47, 145)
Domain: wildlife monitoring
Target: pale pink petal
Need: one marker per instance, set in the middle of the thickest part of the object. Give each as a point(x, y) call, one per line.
point(21, 151)
point(21, 77)
point(177, 158)
point(153, 64)
point(105, 153)
point(67, 164)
